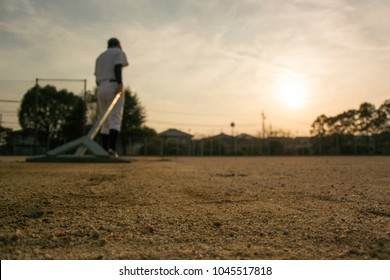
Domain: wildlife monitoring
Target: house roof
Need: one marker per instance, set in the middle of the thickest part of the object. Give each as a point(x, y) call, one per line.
point(221, 136)
point(174, 133)
point(245, 136)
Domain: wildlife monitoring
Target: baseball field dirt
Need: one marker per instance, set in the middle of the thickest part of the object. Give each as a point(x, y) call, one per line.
point(197, 208)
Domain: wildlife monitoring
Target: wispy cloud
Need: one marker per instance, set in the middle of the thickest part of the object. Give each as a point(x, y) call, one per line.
point(212, 56)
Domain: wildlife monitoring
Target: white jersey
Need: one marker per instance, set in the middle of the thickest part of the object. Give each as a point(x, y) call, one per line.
point(105, 63)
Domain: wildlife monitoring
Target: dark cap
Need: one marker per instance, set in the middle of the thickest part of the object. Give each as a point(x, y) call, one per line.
point(113, 42)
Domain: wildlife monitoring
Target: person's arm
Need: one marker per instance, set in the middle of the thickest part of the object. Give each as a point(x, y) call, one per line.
point(118, 77)
point(118, 73)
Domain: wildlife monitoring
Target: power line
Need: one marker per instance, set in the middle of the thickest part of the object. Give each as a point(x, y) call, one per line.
point(224, 115)
point(5, 113)
point(199, 125)
point(199, 114)
point(15, 81)
point(9, 101)
point(60, 80)
point(184, 124)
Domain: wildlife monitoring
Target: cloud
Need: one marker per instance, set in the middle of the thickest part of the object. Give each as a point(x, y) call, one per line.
point(195, 55)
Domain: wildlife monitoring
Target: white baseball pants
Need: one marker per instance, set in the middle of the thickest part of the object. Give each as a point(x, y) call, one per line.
point(105, 95)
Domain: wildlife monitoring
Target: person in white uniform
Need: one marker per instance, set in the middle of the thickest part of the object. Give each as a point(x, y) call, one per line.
point(108, 73)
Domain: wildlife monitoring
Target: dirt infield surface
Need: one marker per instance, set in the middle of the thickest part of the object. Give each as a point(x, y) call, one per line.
point(197, 208)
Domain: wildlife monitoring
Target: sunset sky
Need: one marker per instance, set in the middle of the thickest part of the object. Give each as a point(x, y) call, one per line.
point(199, 65)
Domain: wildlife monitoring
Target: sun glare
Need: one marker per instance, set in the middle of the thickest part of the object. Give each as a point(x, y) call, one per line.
point(292, 92)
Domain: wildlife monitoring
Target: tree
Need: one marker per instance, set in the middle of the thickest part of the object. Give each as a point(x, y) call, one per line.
point(365, 119)
point(134, 117)
point(319, 126)
point(4, 134)
point(133, 113)
point(58, 114)
point(366, 124)
point(383, 118)
point(344, 123)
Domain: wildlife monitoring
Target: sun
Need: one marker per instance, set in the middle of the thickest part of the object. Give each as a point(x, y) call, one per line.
point(292, 92)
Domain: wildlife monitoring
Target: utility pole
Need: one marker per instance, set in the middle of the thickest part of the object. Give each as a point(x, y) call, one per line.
point(36, 117)
point(232, 125)
point(85, 107)
point(233, 139)
point(263, 123)
point(265, 150)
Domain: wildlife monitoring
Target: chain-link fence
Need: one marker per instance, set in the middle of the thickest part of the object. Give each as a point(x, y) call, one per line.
point(15, 141)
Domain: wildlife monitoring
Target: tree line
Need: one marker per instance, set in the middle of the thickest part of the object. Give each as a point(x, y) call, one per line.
point(365, 121)
point(361, 131)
